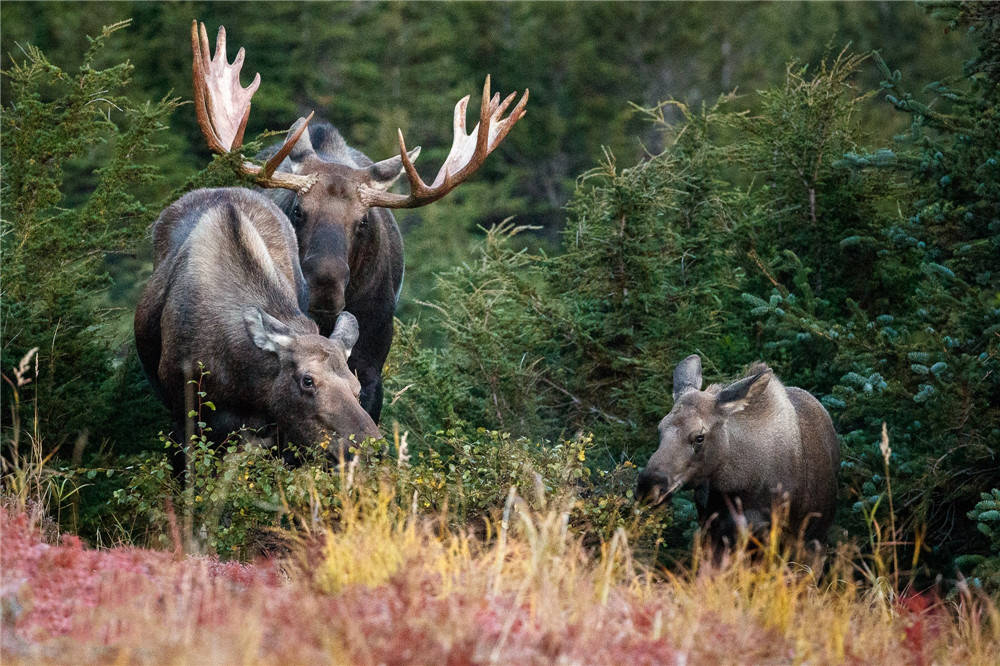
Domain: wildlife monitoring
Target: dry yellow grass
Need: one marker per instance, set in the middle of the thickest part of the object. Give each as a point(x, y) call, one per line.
point(546, 589)
point(386, 584)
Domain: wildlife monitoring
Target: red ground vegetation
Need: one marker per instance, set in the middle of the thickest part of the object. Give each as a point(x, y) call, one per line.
point(67, 603)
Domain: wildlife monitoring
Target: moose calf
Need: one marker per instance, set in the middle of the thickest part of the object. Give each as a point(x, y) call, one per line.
point(748, 445)
point(227, 290)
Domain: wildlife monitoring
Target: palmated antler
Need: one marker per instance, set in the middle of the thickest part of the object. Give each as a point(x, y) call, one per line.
point(223, 108)
point(468, 151)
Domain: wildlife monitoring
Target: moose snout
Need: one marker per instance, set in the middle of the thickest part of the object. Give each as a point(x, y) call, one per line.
point(368, 429)
point(328, 278)
point(356, 431)
point(653, 488)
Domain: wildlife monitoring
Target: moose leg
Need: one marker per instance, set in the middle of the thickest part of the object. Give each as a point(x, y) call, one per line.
point(369, 354)
point(371, 390)
point(223, 423)
point(744, 518)
point(758, 522)
point(714, 520)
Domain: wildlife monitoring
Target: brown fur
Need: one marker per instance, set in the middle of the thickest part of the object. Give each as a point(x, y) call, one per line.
point(225, 291)
point(762, 443)
point(352, 255)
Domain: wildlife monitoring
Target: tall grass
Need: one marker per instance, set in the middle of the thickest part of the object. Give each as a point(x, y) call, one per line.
point(771, 600)
point(385, 583)
point(383, 580)
point(27, 483)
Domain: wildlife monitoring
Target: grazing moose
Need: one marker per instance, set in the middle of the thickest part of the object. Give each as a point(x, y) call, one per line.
point(226, 290)
point(350, 247)
point(746, 446)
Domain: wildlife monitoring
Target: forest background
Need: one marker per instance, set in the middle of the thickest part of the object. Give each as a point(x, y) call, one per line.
point(744, 181)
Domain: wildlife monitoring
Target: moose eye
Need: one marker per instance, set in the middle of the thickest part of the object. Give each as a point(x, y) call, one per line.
point(699, 439)
point(307, 382)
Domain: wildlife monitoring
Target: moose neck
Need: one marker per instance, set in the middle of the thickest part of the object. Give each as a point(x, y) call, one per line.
point(760, 441)
point(375, 262)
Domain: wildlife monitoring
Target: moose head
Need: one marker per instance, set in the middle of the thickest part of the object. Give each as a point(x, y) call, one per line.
point(332, 200)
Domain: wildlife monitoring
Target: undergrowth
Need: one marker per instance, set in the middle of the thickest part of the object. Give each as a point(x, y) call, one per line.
point(487, 548)
point(237, 494)
point(385, 582)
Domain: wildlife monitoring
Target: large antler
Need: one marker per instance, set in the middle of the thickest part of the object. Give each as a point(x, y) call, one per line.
point(223, 108)
point(468, 151)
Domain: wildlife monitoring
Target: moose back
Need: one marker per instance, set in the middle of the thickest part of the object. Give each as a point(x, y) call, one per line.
point(226, 291)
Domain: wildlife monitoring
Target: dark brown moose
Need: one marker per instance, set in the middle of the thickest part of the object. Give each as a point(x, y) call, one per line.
point(226, 290)
point(744, 448)
point(337, 199)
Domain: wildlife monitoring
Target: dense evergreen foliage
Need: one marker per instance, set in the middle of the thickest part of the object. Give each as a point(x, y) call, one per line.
point(867, 277)
point(60, 127)
point(788, 226)
point(371, 68)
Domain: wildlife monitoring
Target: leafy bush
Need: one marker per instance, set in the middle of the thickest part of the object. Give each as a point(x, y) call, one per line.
point(237, 494)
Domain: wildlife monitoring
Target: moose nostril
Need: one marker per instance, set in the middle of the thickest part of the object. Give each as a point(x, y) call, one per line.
point(329, 280)
point(328, 273)
point(650, 488)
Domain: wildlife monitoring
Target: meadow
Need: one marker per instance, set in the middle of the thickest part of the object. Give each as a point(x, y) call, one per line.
point(385, 583)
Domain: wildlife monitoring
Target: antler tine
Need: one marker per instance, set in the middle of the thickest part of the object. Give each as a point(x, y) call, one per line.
point(199, 45)
point(416, 182)
point(252, 88)
point(501, 128)
point(468, 151)
point(222, 106)
point(206, 50)
point(482, 137)
point(227, 102)
point(286, 148)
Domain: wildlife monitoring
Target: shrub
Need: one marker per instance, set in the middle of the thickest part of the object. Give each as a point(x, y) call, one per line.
point(235, 495)
point(765, 231)
point(57, 126)
point(987, 516)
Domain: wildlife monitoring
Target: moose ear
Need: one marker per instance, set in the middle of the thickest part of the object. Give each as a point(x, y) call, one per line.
point(303, 148)
point(735, 397)
point(383, 174)
point(345, 331)
point(687, 376)
point(266, 332)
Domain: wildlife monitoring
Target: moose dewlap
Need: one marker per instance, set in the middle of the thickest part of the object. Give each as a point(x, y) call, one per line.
point(745, 448)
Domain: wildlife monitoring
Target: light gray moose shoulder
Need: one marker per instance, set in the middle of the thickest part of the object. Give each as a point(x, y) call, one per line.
point(815, 424)
point(806, 405)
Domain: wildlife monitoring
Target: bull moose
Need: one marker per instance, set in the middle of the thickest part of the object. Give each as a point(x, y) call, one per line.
point(747, 445)
point(226, 289)
point(349, 244)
